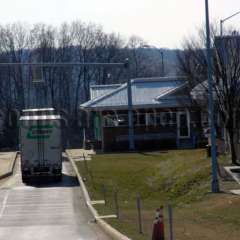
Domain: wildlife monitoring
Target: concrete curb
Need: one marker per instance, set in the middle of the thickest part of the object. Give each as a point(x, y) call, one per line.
point(109, 230)
point(11, 168)
point(235, 176)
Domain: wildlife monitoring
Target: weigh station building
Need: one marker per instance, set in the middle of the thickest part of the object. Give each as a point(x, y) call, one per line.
point(163, 115)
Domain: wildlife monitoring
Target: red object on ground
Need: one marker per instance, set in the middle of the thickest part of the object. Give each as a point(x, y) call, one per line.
point(158, 229)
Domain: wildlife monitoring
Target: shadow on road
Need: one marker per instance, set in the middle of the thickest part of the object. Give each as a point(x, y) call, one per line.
point(43, 182)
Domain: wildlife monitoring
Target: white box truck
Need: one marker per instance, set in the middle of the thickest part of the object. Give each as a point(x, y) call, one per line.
point(41, 146)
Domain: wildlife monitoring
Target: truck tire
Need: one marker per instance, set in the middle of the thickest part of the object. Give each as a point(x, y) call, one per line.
point(25, 179)
point(58, 178)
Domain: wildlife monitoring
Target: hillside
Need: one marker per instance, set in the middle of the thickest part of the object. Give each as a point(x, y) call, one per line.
point(179, 177)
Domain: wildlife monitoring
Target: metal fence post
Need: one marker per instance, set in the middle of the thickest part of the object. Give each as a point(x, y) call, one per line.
point(139, 214)
point(88, 170)
point(84, 138)
point(104, 192)
point(116, 203)
point(85, 162)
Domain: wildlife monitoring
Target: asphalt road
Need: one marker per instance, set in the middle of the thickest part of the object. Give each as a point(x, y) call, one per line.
point(45, 211)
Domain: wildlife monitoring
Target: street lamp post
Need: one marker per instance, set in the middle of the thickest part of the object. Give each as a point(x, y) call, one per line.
point(224, 20)
point(215, 183)
point(163, 70)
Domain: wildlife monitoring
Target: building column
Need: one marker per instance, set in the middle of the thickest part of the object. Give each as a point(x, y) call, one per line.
point(102, 131)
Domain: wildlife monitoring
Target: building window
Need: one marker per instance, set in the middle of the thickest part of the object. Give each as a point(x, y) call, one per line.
point(116, 120)
point(166, 118)
point(122, 120)
point(171, 118)
point(142, 119)
point(139, 119)
point(150, 119)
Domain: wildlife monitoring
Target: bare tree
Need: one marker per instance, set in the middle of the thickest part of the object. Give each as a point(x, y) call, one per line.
point(135, 45)
point(64, 53)
point(14, 40)
point(226, 62)
point(64, 87)
point(43, 39)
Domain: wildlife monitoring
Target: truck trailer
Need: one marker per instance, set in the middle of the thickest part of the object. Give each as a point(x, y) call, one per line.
point(41, 146)
point(39, 111)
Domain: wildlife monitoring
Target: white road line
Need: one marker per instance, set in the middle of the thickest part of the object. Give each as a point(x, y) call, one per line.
point(39, 205)
point(4, 203)
point(39, 214)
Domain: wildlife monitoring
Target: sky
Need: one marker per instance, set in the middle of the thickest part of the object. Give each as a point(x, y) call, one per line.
point(162, 23)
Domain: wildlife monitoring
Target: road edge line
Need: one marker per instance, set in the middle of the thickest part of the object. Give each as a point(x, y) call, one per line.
point(108, 229)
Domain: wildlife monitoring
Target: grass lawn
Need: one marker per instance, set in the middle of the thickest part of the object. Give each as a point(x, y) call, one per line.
point(180, 177)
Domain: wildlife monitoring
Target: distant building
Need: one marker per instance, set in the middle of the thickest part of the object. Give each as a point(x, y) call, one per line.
point(163, 115)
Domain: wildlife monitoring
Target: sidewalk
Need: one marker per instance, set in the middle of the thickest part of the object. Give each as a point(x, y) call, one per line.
point(77, 154)
point(6, 162)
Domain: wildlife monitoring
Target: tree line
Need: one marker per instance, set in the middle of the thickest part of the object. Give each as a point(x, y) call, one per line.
point(66, 88)
point(63, 88)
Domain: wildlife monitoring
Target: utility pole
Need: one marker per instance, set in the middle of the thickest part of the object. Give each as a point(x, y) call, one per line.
point(131, 142)
point(221, 27)
point(215, 183)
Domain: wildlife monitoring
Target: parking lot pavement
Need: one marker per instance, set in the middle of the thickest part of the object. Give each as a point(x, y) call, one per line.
point(46, 211)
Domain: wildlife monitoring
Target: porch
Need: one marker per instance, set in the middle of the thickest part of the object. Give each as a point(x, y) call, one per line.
point(152, 130)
